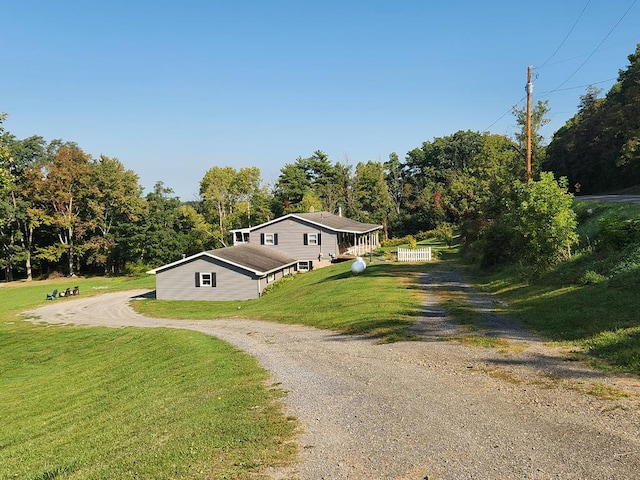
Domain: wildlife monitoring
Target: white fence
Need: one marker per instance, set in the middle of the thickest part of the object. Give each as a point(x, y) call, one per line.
point(416, 255)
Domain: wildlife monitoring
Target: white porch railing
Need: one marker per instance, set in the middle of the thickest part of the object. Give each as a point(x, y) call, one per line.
point(415, 255)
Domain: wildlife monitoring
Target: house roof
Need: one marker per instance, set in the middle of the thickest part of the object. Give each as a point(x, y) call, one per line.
point(337, 223)
point(254, 258)
point(326, 220)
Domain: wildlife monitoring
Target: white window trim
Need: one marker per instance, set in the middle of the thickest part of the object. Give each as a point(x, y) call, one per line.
point(206, 279)
point(312, 239)
point(303, 266)
point(271, 278)
point(269, 238)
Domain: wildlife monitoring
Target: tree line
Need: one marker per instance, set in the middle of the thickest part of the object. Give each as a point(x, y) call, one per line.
point(63, 211)
point(598, 149)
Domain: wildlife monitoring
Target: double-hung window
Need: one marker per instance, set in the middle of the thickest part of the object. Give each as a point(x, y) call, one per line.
point(205, 279)
point(312, 239)
point(268, 239)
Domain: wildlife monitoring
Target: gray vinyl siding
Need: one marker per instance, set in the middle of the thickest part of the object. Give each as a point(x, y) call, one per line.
point(291, 233)
point(232, 283)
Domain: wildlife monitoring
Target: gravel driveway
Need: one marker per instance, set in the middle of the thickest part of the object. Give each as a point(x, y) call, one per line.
point(425, 410)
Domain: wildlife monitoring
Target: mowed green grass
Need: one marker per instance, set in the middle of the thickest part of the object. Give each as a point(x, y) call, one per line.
point(97, 403)
point(381, 303)
point(601, 319)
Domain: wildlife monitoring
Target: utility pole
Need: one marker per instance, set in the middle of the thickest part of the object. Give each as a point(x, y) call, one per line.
point(529, 88)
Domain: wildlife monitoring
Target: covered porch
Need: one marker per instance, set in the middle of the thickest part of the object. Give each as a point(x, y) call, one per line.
point(356, 244)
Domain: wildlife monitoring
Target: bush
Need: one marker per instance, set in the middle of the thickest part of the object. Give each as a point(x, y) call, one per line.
point(135, 268)
point(444, 233)
point(535, 227)
point(591, 278)
point(395, 242)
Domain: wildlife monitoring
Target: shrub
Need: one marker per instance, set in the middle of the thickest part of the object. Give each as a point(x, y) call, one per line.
point(591, 278)
point(395, 242)
point(444, 233)
point(535, 227)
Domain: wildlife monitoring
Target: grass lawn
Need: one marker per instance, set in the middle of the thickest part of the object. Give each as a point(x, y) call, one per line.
point(95, 403)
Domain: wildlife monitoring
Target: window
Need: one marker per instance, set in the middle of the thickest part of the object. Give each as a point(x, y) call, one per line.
point(205, 279)
point(312, 239)
point(304, 266)
point(268, 239)
point(271, 278)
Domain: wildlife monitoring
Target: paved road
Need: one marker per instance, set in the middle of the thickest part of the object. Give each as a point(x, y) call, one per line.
point(611, 198)
point(423, 410)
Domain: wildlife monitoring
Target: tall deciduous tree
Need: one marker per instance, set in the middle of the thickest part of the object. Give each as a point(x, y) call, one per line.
point(115, 197)
point(393, 173)
point(228, 197)
point(66, 187)
point(374, 203)
point(23, 210)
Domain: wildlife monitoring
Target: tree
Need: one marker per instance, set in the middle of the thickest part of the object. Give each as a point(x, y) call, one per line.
point(393, 175)
point(161, 237)
point(373, 201)
point(439, 178)
point(599, 147)
point(115, 198)
point(315, 175)
point(22, 208)
point(228, 199)
point(6, 213)
point(65, 186)
point(539, 119)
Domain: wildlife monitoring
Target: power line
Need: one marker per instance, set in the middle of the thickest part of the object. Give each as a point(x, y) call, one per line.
point(577, 57)
point(596, 49)
point(544, 94)
point(503, 115)
point(558, 89)
point(566, 36)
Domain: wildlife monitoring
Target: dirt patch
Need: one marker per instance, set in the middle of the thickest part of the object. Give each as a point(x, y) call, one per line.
point(432, 409)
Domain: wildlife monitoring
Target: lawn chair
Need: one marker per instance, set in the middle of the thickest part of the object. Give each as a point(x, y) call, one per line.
point(76, 290)
point(52, 295)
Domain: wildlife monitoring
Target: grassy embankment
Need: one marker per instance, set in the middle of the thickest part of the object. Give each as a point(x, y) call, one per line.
point(95, 403)
point(591, 301)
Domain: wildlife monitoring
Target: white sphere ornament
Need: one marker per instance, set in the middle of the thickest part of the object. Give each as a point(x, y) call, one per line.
point(358, 265)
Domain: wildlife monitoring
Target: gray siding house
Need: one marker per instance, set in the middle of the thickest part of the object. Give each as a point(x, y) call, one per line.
point(234, 273)
point(314, 238)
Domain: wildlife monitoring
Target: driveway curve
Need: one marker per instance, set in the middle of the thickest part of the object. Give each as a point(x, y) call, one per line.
point(423, 410)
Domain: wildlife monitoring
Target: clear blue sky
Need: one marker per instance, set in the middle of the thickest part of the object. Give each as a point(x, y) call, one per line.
point(175, 88)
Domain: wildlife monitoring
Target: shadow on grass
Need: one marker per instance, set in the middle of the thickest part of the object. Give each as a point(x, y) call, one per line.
point(602, 317)
point(390, 269)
